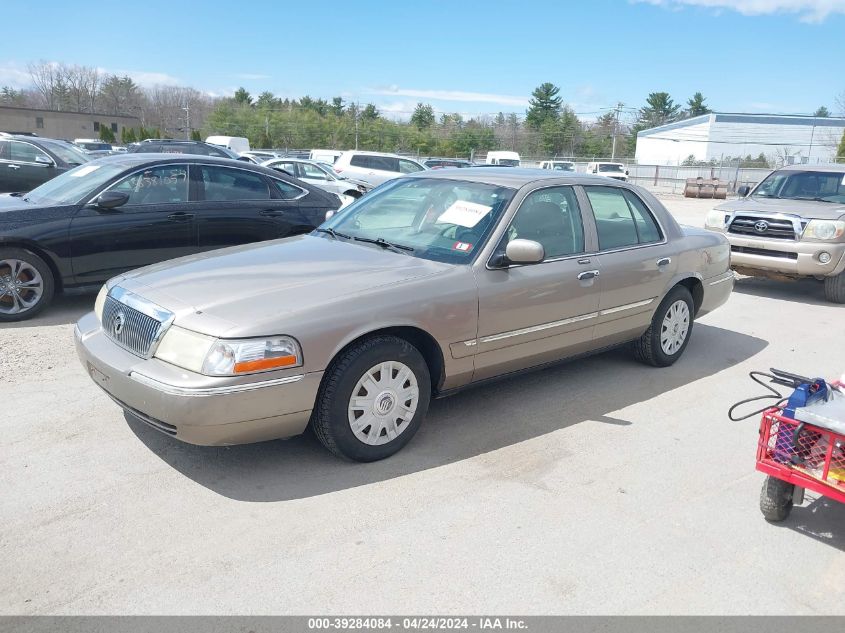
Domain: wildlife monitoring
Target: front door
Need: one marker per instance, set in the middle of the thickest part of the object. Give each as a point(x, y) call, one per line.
point(155, 224)
point(532, 314)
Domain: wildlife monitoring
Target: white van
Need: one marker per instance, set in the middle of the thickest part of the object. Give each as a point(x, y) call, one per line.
point(237, 144)
point(616, 171)
point(374, 168)
point(328, 156)
point(558, 165)
point(505, 159)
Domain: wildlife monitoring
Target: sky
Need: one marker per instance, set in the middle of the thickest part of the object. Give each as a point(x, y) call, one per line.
point(483, 57)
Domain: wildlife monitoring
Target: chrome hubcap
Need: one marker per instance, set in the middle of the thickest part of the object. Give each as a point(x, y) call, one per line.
point(675, 327)
point(383, 403)
point(21, 286)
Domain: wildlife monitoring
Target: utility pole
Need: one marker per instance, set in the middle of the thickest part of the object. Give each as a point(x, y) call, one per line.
point(187, 110)
point(616, 130)
point(357, 112)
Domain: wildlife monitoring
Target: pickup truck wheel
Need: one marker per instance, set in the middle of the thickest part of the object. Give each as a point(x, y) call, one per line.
point(26, 284)
point(834, 288)
point(373, 399)
point(669, 332)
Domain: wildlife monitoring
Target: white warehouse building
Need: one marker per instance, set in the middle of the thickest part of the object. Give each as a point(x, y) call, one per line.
point(782, 139)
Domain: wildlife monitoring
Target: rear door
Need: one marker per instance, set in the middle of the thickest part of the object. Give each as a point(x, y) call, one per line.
point(155, 224)
point(31, 165)
point(635, 259)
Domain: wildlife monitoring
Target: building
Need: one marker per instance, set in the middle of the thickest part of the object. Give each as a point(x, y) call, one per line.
point(782, 139)
point(64, 125)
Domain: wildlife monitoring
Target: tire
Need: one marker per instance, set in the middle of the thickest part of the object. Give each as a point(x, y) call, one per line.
point(649, 348)
point(26, 284)
point(378, 410)
point(834, 288)
point(776, 499)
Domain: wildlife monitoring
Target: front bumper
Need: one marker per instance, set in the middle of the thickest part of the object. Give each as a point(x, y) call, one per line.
point(785, 256)
point(193, 408)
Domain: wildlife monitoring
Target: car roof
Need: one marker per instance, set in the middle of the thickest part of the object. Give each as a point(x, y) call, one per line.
point(831, 167)
point(135, 159)
point(513, 177)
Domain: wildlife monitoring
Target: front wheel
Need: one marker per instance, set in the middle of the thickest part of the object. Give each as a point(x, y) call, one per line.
point(776, 499)
point(26, 284)
point(669, 332)
point(373, 399)
point(834, 288)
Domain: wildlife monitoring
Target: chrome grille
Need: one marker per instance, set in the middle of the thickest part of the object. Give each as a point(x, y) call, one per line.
point(772, 228)
point(130, 328)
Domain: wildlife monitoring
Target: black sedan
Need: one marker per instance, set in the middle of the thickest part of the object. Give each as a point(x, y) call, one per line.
point(28, 161)
point(118, 213)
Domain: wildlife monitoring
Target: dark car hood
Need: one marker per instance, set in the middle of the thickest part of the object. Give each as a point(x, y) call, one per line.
point(233, 288)
point(805, 208)
point(12, 202)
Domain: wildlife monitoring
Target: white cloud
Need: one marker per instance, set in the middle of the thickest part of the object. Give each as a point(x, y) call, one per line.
point(13, 75)
point(146, 78)
point(251, 76)
point(812, 11)
point(451, 95)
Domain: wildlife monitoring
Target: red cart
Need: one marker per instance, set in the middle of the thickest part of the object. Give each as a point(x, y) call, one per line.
point(797, 456)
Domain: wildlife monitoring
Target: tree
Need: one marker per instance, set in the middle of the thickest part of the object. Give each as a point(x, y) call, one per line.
point(11, 97)
point(120, 95)
point(370, 112)
point(242, 97)
point(840, 153)
point(106, 133)
point(659, 110)
point(423, 116)
point(266, 100)
point(696, 106)
point(195, 135)
point(544, 105)
point(822, 112)
point(337, 106)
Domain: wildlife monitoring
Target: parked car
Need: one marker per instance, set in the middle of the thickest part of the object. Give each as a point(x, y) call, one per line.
point(329, 156)
point(320, 174)
point(117, 213)
point(259, 156)
point(616, 171)
point(443, 163)
point(28, 161)
point(374, 167)
point(175, 146)
point(237, 144)
point(95, 148)
point(503, 159)
point(558, 165)
point(444, 279)
point(791, 225)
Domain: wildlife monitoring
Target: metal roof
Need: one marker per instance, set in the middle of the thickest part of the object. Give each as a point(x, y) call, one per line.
point(758, 119)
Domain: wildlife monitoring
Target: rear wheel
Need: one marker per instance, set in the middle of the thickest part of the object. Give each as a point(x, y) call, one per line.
point(373, 399)
point(834, 288)
point(26, 284)
point(776, 499)
point(671, 326)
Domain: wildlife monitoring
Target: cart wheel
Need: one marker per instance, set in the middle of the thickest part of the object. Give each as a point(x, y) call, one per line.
point(776, 499)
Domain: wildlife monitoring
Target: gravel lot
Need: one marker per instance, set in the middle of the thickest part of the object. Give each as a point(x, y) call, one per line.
point(600, 486)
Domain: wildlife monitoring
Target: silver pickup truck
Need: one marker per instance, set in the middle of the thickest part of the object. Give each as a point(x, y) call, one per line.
point(790, 225)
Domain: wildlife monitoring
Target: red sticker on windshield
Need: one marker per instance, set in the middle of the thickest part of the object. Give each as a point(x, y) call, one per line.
point(462, 246)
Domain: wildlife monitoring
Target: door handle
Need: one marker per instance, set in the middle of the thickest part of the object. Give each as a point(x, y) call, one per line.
point(14, 166)
point(664, 261)
point(588, 274)
point(180, 216)
point(270, 213)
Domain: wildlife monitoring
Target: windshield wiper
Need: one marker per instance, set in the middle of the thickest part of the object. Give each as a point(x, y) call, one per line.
point(380, 241)
point(335, 234)
point(814, 199)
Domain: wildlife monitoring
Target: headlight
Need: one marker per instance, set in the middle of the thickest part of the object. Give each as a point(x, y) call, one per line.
point(100, 303)
point(219, 357)
point(825, 229)
point(716, 219)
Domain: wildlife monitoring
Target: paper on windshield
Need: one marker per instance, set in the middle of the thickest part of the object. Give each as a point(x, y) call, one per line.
point(843, 180)
point(464, 213)
point(83, 171)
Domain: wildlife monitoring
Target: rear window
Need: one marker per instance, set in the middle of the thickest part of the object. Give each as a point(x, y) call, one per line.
point(383, 163)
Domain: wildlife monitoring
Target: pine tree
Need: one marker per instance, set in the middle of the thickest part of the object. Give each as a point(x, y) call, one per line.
point(696, 107)
point(544, 105)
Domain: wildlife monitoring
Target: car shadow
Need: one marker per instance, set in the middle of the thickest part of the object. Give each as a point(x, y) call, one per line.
point(467, 424)
point(808, 291)
point(822, 519)
point(64, 309)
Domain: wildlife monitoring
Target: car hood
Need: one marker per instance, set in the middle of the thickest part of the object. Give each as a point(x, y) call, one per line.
point(12, 202)
point(805, 208)
point(227, 292)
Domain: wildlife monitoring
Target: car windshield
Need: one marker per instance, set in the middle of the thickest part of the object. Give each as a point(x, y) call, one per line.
point(74, 185)
point(508, 162)
point(822, 186)
point(610, 167)
point(433, 218)
point(68, 153)
point(564, 167)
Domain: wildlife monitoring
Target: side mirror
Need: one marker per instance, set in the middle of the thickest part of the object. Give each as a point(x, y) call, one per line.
point(520, 251)
point(743, 190)
point(626, 172)
point(45, 160)
point(112, 199)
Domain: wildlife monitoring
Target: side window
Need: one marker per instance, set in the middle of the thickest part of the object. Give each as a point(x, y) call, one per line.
point(225, 184)
point(26, 153)
point(158, 185)
point(552, 217)
point(621, 219)
point(290, 168)
point(4, 150)
point(408, 167)
point(309, 171)
point(286, 190)
point(360, 160)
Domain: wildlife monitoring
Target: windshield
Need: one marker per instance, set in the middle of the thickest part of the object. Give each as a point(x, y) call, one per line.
point(96, 146)
point(68, 153)
point(563, 166)
point(508, 162)
point(610, 167)
point(823, 186)
point(73, 186)
point(443, 220)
